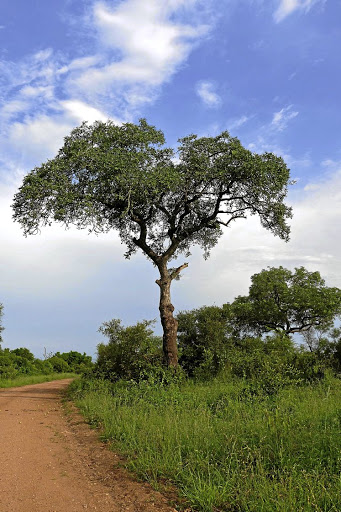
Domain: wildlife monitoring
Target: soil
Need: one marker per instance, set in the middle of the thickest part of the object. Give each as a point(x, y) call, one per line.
point(51, 461)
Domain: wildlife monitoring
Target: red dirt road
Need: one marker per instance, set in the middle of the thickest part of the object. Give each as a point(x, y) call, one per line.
point(51, 461)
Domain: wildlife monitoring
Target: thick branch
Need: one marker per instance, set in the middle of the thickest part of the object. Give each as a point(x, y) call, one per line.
point(141, 242)
point(174, 274)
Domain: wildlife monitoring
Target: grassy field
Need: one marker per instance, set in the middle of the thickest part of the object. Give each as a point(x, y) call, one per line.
point(24, 380)
point(224, 447)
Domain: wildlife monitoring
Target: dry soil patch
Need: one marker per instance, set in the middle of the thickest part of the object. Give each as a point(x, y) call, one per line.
point(53, 462)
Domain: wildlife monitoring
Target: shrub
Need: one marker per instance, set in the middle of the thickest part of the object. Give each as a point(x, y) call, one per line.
point(132, 353)
point(59, 365)
point(76, 361)
point(204, 339)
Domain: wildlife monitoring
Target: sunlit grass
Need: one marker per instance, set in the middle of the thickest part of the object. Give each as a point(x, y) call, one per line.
point(25, 380)
point(224, 449)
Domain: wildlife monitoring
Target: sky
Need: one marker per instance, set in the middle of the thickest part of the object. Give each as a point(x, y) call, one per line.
point(268, 71)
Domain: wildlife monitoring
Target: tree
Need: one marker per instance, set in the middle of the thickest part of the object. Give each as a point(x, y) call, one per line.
point(122, 177)
point(281, 300)
point(23, 352)
point(203, 334)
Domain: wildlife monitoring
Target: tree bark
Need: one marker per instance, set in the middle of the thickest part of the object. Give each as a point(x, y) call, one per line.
point(169, 323)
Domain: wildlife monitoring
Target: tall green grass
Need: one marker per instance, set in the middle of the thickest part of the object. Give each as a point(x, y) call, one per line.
point(224, 447)
point(25, 380)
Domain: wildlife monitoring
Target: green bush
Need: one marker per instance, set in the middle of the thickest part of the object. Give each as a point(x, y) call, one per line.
point(132, 353)
point(76, 361)
point(204, 338)
point(20, 362)
point(59, 364)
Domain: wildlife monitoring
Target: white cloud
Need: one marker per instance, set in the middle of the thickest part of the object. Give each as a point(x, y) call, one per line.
point(12, 108)
point(39, 138)
point(206, 92)
point(43, 54)
point(237, 123)
point(31, 92)
point(85, 62)
point(280, 119)
point(145, 43)
point(287, 7)
point(27, 87)
point(80, 111)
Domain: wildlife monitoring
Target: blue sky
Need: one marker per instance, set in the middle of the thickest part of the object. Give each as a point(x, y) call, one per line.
point(269, 71)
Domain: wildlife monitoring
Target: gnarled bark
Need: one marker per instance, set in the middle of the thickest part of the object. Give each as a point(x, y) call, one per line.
point(169, 323)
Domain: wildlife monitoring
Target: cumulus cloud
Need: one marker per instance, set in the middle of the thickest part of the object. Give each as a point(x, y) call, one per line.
point(287, 7)
point(80, 111)
point(144, 45)
point(206, 91)
point(37, 139)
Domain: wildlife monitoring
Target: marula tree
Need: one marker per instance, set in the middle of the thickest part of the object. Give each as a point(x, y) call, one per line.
point(160, 201)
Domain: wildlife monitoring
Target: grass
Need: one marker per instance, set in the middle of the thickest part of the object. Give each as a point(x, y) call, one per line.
point(25, 380)
point(224, 448)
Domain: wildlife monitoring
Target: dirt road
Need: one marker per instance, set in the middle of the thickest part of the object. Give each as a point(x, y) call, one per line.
point(51, 461)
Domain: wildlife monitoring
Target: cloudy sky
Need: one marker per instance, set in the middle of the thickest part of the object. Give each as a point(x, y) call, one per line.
point(269, 71)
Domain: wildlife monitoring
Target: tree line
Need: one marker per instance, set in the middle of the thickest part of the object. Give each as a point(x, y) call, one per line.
point(20, 361)
point(250, 337)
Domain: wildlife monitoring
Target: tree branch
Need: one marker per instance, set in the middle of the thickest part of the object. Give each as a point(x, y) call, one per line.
point(141, 242)
point(175, 272)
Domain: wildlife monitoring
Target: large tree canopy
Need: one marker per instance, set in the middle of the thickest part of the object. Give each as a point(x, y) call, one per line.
point(160, 201)
point(281, 300)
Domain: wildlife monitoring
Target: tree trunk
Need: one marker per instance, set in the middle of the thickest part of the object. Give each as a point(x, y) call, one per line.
point(169, 323)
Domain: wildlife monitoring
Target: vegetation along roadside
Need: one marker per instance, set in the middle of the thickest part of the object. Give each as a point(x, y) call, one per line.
point(223, 445)
point(251, 419)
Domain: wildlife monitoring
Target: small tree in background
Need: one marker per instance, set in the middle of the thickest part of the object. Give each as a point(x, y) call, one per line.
point(121, 177)
point(281, 300)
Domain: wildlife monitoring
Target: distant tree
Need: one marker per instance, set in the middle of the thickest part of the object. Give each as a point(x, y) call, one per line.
point(74, 358)
point(76, 361)
point(59, 364)
point(121, 177)
point(23, 352)
point(281, 300)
